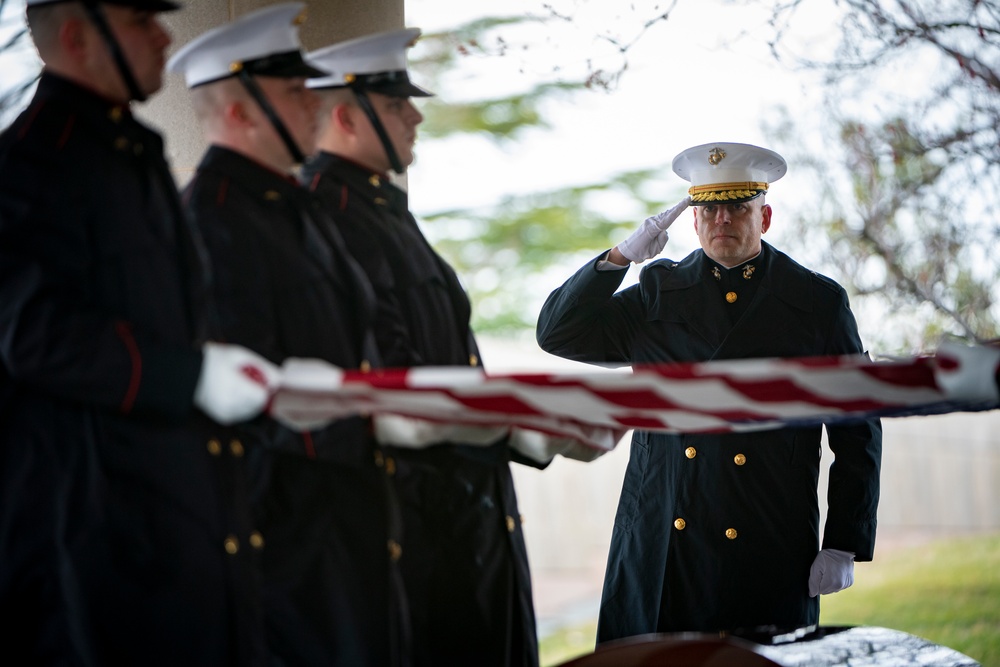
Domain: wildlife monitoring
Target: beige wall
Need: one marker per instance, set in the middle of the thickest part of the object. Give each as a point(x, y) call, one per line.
point(328, 21)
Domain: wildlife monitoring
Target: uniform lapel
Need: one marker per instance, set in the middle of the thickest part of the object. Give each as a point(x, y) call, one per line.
point(782, 291)
point(696, 299)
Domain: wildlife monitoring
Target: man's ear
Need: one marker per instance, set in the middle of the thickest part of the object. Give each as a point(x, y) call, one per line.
point(765, 222)
point(73, 38)
point(342, 116)
point(236, 114)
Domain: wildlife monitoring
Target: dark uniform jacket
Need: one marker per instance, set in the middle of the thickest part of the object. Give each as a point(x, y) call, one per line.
point(464, 560)
point(123, 518)
point(286, 287)
point(718, 532)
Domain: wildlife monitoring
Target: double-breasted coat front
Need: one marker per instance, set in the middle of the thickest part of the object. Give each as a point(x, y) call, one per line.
point(464, 560)
point(286, 287)
point(718, 531)
point(124, 520)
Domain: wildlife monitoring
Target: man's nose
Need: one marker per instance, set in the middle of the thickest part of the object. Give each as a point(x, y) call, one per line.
point(415, 117)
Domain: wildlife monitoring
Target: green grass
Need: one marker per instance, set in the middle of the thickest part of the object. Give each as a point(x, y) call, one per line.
point(946, 591)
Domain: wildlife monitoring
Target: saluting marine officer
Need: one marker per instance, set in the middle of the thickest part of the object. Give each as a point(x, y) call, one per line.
point(464, 561)
point(125, 535)
point(286, 286)
point(721, 532)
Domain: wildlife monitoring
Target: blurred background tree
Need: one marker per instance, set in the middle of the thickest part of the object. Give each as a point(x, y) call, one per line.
point(908, 177)
point(903, 154)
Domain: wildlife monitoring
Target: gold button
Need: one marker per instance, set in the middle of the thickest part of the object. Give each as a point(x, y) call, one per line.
point(379, 459)
point(740, 459)
point(690, 452)
point(380, 201)
point(395, 550)
point(214, 447)
point(731, 297)
point(680, 524)
point(236, 448)
point(256, 540)
point(511, 524)
point(365, 366)
point(121, 143)
point(473, 360)
point(272, 195)
point(115, 114)
point(390, 466)
point(375, 180)
point(232, 545)
point(731, 533)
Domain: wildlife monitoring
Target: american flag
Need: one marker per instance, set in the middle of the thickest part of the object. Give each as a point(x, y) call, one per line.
point(597, 407)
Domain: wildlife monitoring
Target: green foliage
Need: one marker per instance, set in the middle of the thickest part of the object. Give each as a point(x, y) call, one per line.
point(500, 118)
point(500, 252)
point(441, 55)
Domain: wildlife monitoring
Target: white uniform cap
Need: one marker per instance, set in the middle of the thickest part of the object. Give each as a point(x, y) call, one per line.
point(374, 62)
point(723, 172)
point(264, 42)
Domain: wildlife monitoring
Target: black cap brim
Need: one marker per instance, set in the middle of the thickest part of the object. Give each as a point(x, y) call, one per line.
point(283, 66)
point(145, 5)
point(400, 89)
point(148, 5)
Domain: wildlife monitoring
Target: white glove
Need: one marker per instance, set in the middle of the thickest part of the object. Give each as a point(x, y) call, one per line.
point(831, 571)
point(412, 433)
point(967, 373)
point(543, 447)
point(234, 384)
point(648, 241)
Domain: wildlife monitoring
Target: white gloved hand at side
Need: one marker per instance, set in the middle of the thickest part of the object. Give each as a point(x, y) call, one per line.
point(234, 384)
point(648, 241)
point(831, 571)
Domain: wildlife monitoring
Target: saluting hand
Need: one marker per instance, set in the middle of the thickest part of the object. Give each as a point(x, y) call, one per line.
point(648, 241)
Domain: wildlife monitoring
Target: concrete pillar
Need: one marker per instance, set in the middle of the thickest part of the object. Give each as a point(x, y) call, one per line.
point(328, 21)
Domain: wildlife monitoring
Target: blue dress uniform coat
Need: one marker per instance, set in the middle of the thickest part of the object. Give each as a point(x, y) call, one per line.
point(718, 532)
point(286, 287)
point(464, 560)
point(124, 523)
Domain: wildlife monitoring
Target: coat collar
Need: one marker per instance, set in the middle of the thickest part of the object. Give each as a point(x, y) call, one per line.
point(250, 175)
point(781, 276)
point(697, 302)
point(373, 186)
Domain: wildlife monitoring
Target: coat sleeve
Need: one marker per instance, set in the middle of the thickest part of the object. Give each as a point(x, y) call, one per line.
point(54, 338)
point(586, 320)
point(854, 474)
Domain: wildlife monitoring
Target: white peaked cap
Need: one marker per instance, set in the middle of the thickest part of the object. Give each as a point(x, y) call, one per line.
point(725, 172)
point(375, 62)
point(264, 42)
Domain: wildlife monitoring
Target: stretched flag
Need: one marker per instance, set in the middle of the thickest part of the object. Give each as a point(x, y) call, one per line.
point(594, 409)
